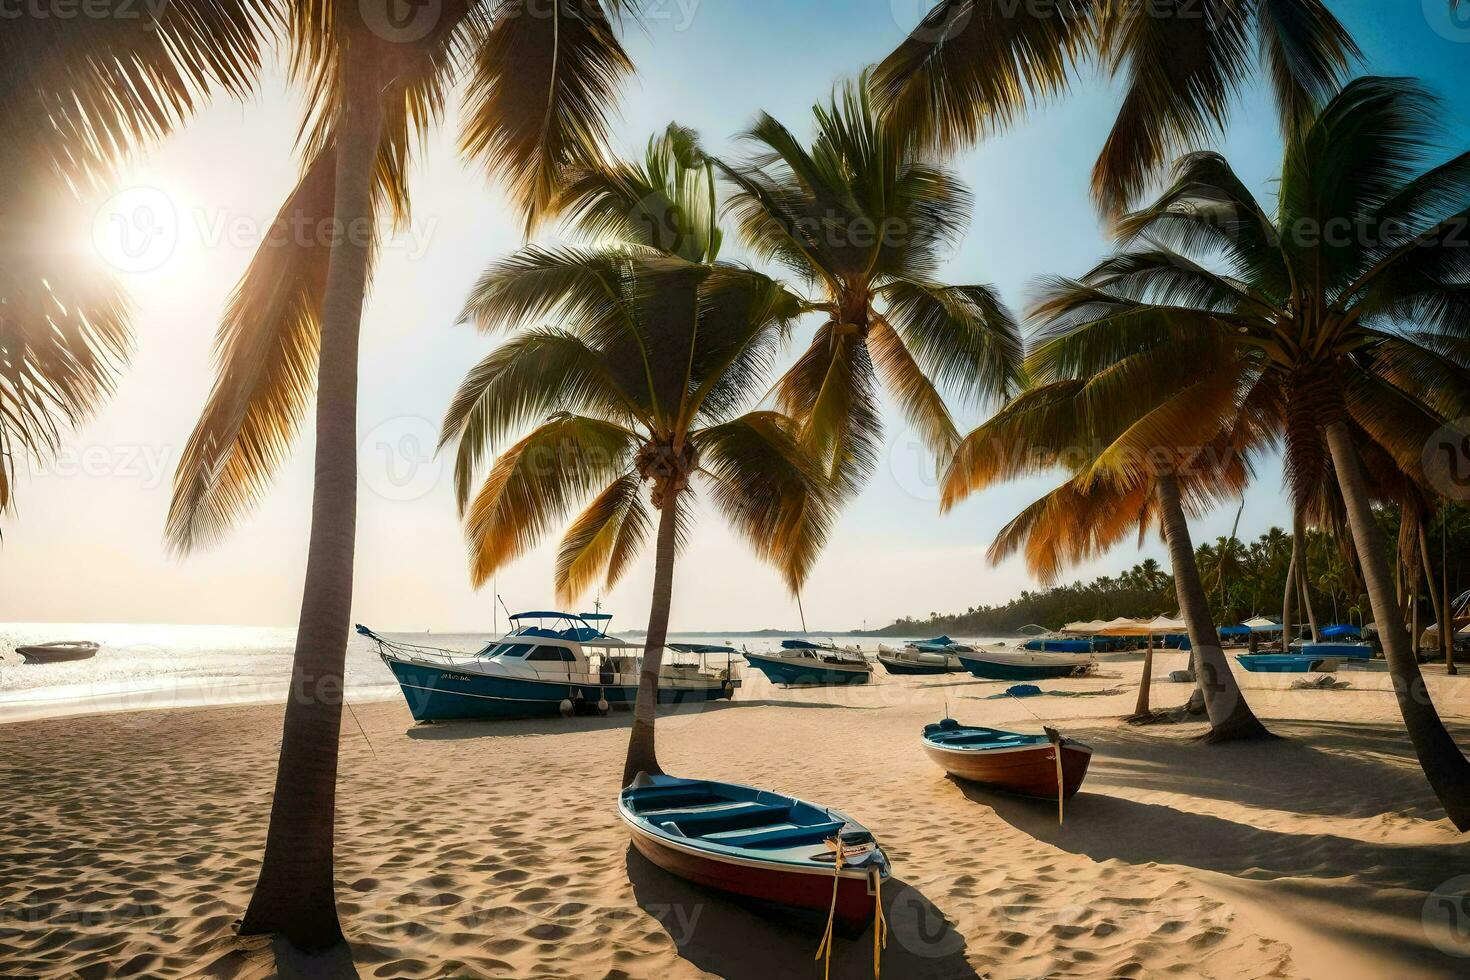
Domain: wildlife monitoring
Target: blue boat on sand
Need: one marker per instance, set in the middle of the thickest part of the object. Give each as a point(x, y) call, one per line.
point(549, 663)
point(1342, 651)
point(1287, 663)
point(924, 657)
point(1025, 665)
point(801, 662)
point(1062, 644)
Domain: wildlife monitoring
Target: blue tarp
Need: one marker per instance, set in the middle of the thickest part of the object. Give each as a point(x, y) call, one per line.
point(1339, 631)
point(1235, 631)
point(799, 645)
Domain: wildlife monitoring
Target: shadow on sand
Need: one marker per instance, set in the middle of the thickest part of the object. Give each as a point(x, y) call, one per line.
point(724, 938)
point(1337, 885)
point(331, 964)
point(617, 718)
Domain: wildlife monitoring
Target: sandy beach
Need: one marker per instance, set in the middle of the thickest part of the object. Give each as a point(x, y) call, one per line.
point(493, 849)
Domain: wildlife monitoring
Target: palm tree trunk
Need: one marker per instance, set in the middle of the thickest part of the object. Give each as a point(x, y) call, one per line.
point(1447, 770)
point(1288, 599)
point(1442, 591)
point(1230, 716)
point(1306, 596)
point(642, 756)
point(294, 895)
point(1142, 709)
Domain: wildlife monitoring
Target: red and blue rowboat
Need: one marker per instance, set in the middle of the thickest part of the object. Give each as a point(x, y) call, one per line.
point(762, 848)
point(1010, 761)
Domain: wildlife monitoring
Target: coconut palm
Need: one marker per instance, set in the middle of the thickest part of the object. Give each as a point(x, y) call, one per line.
point(539, 80)
point(1347, 314)
point(80, 93)
point(639, 388)
point(971, 66)
point(864, 217)
point(1138, 459)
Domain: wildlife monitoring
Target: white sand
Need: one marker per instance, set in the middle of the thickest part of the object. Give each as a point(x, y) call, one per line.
point(130, 841)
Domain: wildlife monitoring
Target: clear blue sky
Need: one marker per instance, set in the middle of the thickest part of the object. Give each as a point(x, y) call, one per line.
point(86, 544)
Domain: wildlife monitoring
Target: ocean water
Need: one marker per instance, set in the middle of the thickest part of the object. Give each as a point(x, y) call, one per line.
point(144, 666)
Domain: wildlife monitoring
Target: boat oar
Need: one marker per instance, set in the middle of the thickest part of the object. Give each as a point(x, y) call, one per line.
point(1056, 740)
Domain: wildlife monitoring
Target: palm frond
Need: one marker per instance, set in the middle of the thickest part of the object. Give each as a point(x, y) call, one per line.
point(536, 481)
point(1308, 54)
point(1037, 430)
point(63, 337)
point(963, 337)
point(601, 542)
point(82, 92)
point(545, 77)
point(1184, 70)
point(266, 359)
point(769, 490)
point(917, 397)
point(831, 389)
point(581, 286)
point(970, 66)
point(666, 203)
point(529, 377)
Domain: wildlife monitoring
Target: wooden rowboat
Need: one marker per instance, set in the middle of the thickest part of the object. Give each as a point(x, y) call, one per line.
point(1010, 761)
point(62, 650)
point(772, 851)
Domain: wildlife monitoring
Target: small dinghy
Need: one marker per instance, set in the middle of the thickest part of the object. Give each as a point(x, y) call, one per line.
point(61, 650)
point(773, 851)
point(1024, 764)
point(1025, 665)
point(1289, 663)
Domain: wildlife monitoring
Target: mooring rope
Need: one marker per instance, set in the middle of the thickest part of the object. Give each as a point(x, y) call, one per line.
point(880, 921)
point(826, 947)
point(880, 924)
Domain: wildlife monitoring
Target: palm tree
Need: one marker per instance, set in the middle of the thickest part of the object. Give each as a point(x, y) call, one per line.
point(540, 80)
point(1113, 436)
point(971, 66)
point(80, 94)
point(864, 217)
point(640, 390)
point(1346, 316)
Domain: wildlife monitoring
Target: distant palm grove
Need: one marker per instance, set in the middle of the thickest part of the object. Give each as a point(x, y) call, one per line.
point(1244, 578)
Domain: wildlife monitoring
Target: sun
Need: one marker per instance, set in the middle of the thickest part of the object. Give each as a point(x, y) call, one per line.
point(146, 230)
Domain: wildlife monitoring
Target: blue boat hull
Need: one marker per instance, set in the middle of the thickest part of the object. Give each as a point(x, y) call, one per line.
point(444, 694)
point(785, 672)
point(1341, 651)
point(1285, 663)
point(1060, 646)
point(1015, 672)
point(899, 667)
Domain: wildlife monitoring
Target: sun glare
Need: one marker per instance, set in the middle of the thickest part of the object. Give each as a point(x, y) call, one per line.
point(147, 231)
